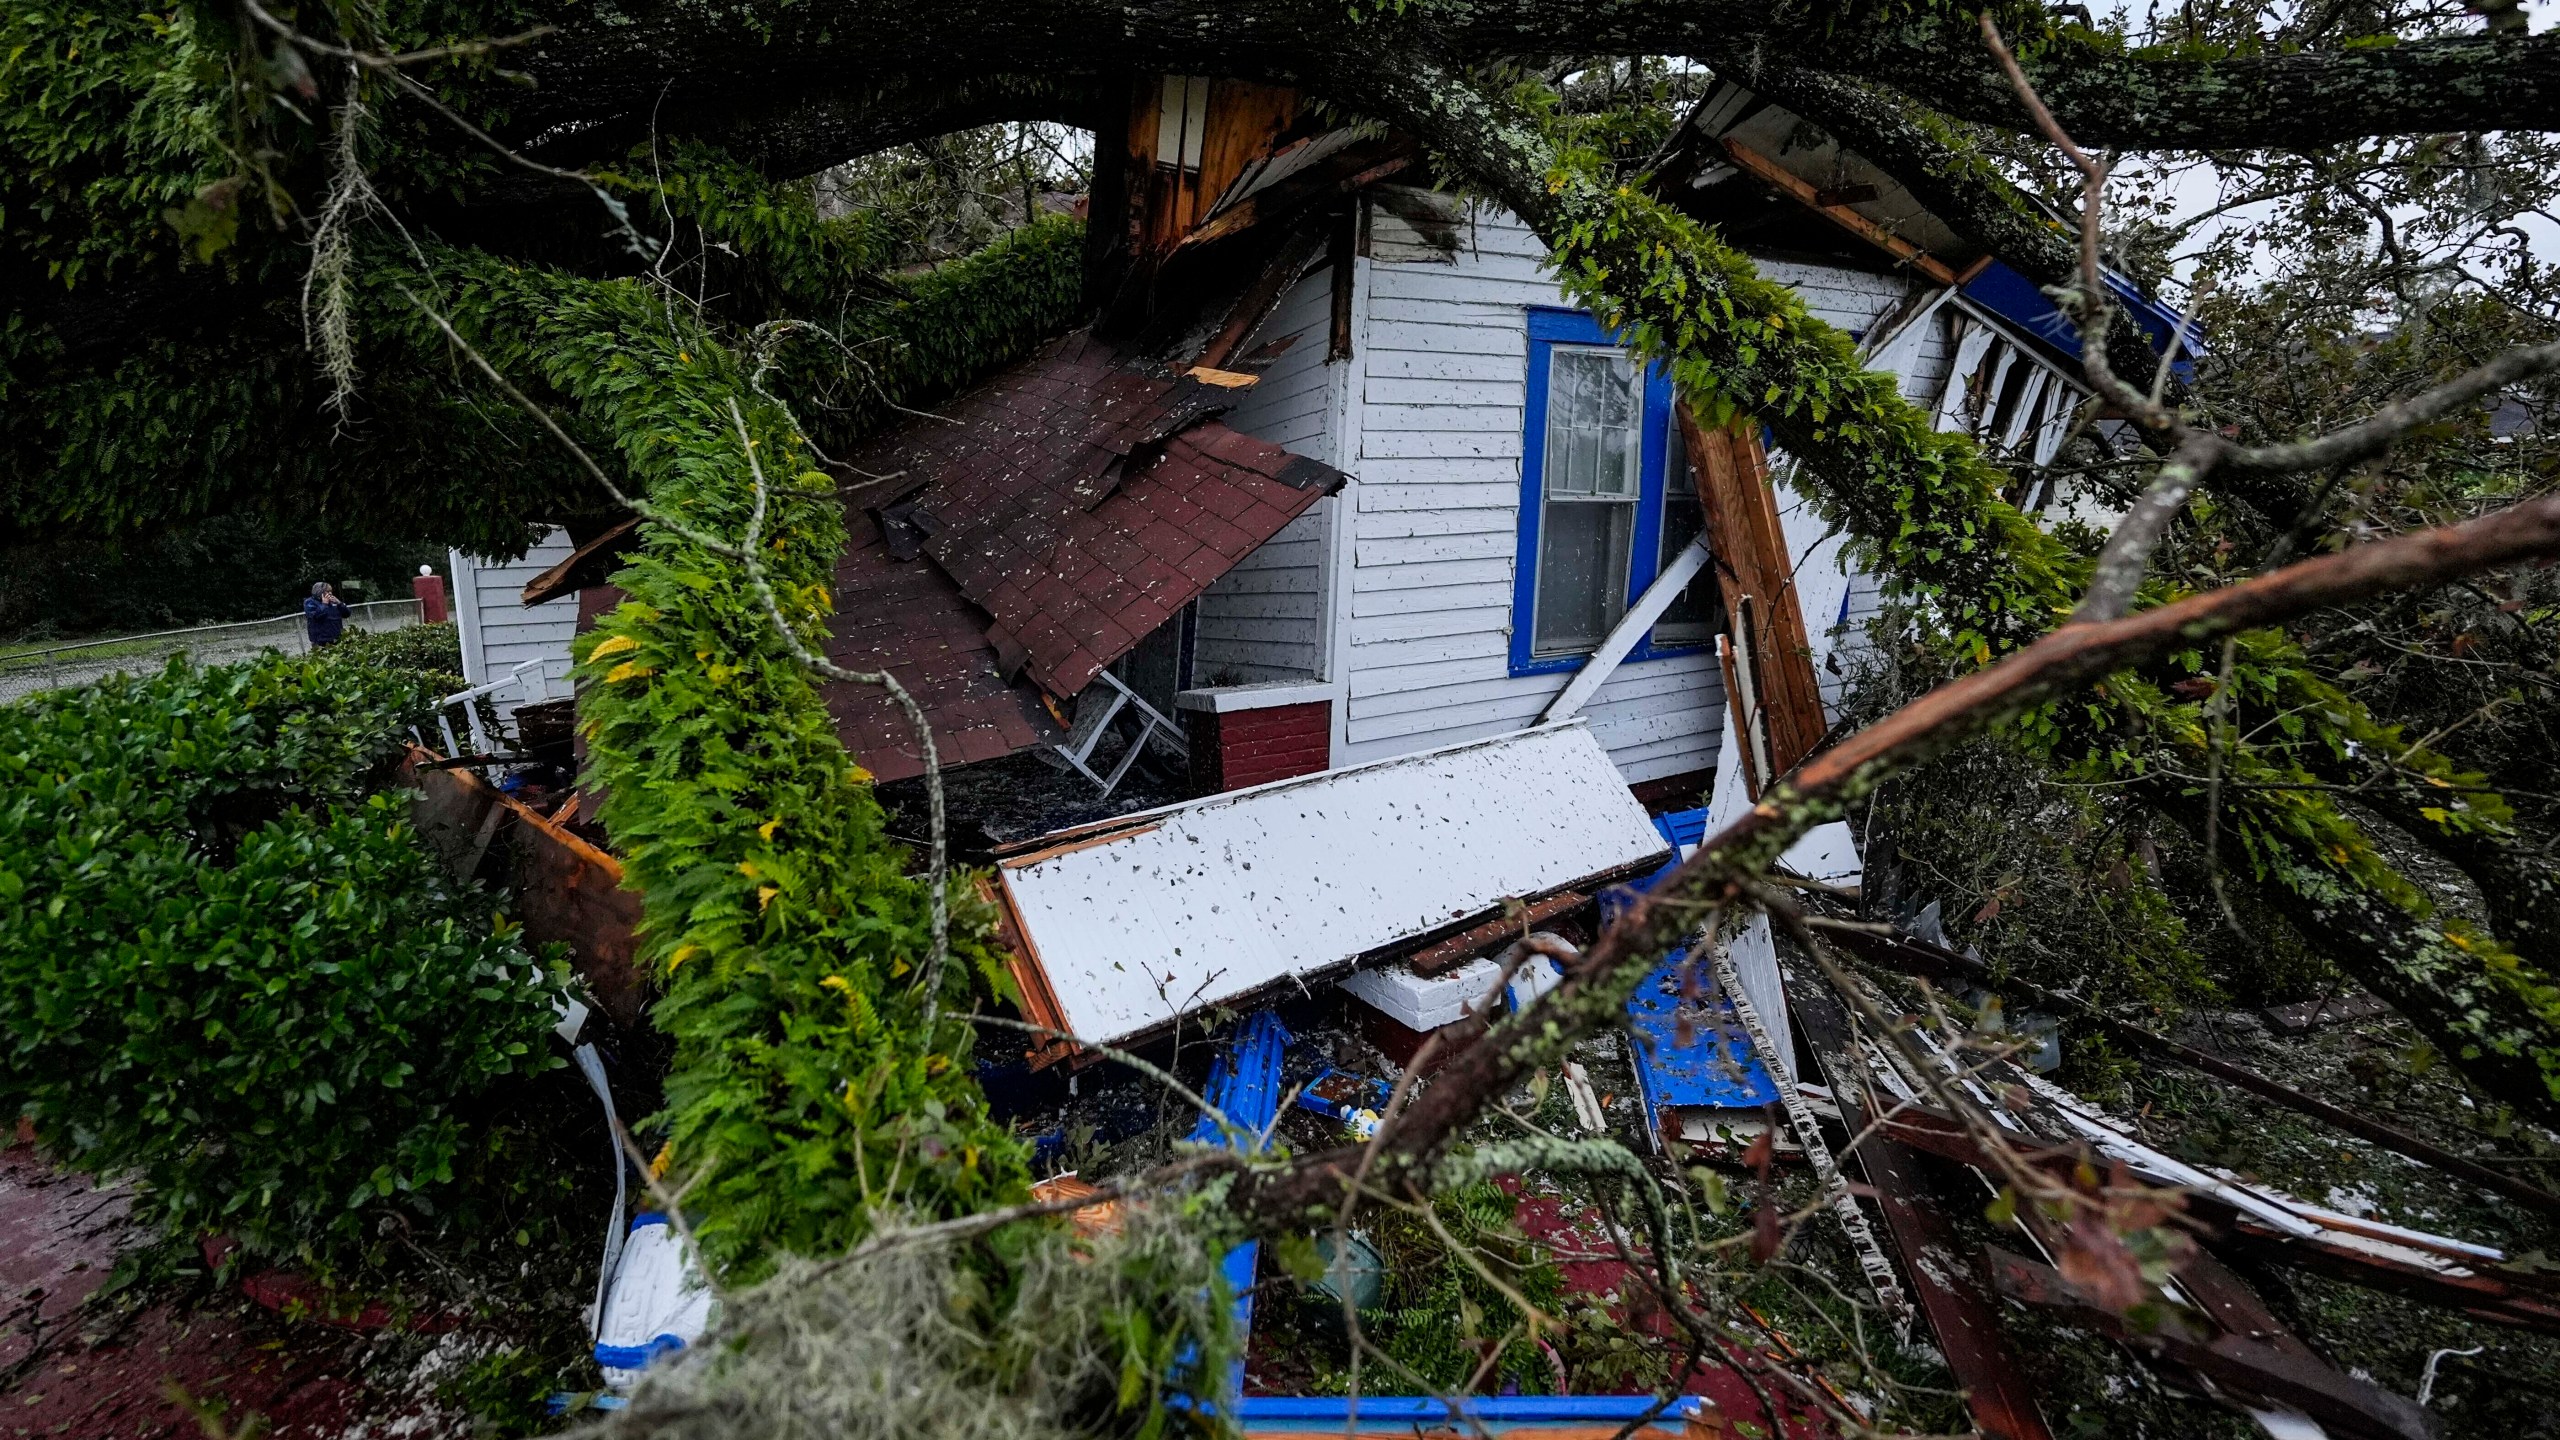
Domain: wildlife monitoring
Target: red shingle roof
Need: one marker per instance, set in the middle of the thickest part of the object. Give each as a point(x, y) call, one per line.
point(1067, 508)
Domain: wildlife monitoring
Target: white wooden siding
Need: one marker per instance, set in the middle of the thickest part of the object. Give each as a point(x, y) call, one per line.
point(1435, 518)
point(1428, 419)
point(1264, 620)
point(496, 630)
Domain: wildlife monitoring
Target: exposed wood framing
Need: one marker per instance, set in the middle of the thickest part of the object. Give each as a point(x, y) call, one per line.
point(1808, 1130)
point(2501, 1299)
point(1961, 1311)
point(1910, 956)
point(565, 889)
point(1837, 211)
point(1344, 250)
point(1751, 560)
point(1263, 296)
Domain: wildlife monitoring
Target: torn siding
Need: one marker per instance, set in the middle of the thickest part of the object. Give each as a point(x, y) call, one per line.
point(1264, 620)
point(1118, 927)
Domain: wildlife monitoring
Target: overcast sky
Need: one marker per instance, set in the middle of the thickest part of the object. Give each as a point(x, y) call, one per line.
point(2196, 189)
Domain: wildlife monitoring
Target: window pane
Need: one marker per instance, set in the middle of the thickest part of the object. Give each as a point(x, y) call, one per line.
point(1595, 407)
point(1582, 573)
point(1698, 614)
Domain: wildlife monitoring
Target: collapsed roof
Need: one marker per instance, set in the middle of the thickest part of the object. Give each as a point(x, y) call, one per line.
point(1010, 547)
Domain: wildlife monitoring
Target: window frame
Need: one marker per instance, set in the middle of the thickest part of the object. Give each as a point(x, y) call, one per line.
point(1548, 329)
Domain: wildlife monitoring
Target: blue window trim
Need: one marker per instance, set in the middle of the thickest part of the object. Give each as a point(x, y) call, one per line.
point(1548, 328)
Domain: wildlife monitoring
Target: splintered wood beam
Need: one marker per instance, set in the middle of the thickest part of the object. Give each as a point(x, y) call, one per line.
point(1795, 187)
point(1752, 562)
point(1261, 298)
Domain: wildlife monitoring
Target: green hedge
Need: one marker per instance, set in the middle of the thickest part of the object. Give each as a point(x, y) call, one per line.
point(230, 971)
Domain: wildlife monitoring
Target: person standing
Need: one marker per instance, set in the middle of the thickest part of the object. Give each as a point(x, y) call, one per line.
point(324, 615)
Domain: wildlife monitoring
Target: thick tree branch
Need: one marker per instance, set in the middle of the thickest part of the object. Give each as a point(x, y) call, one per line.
point(694, 68)
point(1595, 986)
point(2297, 101)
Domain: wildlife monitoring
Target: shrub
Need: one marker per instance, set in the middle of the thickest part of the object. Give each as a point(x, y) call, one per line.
point(433, 653)
point(229, 971)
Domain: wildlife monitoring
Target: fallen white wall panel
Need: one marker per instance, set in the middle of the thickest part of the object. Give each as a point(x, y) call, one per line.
point(1120, 927)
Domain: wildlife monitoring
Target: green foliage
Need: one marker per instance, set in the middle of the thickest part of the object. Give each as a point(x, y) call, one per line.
point(430, 653)
point(2051, 880)
point(1437, 1315)
point(113, 116)
point(227, 970)
point(789, 934)
point(1440, 1313)
point(1068, 1335)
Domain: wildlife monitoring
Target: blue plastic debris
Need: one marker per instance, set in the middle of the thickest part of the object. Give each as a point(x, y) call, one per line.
point(1244, 1084)
point(1244, 1081)
point(659, 1302)
point(1357, 1101)
point(1717, 1069)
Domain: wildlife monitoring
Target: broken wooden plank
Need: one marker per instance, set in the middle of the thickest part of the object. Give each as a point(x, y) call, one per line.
point(1442, 956)
point(2370, 1261)
point(1788, 183)
point(1902, 953)
point(1960, 1310)
point(1753, 564)
point(587, 565)
point(565, 889)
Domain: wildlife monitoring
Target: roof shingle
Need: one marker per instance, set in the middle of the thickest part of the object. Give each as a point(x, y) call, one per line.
point(1067, 508)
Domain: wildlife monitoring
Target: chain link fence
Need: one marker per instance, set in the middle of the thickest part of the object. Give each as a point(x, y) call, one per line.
point(24, 672)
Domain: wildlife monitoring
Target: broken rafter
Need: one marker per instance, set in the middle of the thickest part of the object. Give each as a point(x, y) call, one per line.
point(2257, 1370)
point(2373, 1261)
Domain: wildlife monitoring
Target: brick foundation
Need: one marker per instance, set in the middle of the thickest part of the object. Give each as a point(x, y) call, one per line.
point(1236, 748)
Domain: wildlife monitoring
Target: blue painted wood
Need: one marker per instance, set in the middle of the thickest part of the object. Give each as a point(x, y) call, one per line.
point(1492, 1410)
point(1719, 1069)
point(2013, 297)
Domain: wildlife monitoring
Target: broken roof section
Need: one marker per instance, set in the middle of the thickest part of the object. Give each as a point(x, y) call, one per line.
point(1119, 927)
point(1033, 532)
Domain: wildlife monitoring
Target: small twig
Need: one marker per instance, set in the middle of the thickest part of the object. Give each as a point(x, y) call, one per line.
point(1143, 1066)
point(466, 50)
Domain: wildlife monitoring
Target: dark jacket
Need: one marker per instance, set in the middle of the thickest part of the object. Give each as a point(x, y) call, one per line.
point(324, 619)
